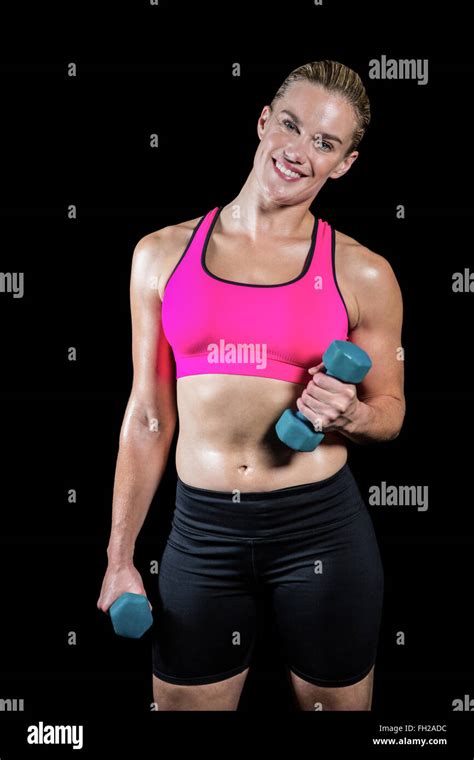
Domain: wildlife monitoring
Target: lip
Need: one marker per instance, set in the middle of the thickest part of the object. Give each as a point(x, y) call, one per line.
point(287, 166)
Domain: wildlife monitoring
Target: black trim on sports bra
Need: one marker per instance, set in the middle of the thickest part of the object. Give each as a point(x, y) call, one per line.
point(306, 266)
point(185, 250)
point(333, 259)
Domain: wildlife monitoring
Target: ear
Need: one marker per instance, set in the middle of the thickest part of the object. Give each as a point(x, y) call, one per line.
point(345, 165)
point(262, 120)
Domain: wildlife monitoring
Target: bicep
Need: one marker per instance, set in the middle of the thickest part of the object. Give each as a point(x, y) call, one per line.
point(154, 372)
point(379, 331)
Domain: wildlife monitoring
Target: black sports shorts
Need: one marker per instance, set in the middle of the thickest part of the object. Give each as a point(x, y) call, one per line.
point(311, 547)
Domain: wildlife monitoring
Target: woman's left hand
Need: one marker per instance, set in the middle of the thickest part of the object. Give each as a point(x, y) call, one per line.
point(328, 403)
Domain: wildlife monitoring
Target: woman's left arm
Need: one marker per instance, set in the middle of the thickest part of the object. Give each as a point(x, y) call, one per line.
point(374, 409)
point(381, 401)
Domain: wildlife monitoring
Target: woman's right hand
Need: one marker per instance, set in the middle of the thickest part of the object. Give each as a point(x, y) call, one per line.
point(117, 580)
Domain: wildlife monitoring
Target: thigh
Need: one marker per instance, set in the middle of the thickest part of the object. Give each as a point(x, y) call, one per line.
point(327, 602)
point(205, 621)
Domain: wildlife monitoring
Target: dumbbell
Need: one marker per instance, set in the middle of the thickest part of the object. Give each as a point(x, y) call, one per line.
point(131, 615)
point(343, 360)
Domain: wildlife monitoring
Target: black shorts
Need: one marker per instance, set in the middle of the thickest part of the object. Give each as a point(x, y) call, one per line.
point(311, 547)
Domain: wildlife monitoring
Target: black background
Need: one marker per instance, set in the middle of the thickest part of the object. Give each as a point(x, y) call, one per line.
point(85, 141)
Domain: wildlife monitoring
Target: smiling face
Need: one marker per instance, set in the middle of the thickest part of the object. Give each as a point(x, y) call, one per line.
point(303, 142)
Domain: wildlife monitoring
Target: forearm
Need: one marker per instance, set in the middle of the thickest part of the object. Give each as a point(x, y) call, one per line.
point(141, 462)
point(376, 419)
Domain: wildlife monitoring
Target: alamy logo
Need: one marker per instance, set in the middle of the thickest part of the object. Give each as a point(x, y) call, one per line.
point(12, 282)
point(466, 704)
point(390, 68)
point(51, 734)
point(399, 496)
point(12, 705)
point(238, 353)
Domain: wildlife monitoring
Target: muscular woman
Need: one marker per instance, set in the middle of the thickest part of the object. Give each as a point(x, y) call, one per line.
point(231, 313)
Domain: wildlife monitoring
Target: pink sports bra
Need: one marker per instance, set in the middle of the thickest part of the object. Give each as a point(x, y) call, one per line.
point(215, 325)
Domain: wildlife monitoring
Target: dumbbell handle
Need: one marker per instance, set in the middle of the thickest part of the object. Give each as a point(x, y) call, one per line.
point(304, 419)
point(317, 436)
point(342, 360)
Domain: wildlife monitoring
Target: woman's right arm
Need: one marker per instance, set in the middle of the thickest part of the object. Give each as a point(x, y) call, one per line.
point(148, 425)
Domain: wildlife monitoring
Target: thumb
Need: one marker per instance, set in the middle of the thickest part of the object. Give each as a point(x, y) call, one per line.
point(313, 370)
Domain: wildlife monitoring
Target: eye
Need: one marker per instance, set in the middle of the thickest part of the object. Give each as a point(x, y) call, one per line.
point(288, 121)
point(292, 126)
point(320, 143)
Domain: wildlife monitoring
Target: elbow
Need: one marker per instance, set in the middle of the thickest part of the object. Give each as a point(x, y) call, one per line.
point(148, 425)
point(396, 431)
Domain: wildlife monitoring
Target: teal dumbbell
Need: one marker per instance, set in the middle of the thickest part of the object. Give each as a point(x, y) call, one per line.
point(343, 360)
point(131, 615)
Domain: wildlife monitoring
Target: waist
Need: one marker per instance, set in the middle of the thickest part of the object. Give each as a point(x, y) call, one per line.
point(249, 457)
point(313, 506)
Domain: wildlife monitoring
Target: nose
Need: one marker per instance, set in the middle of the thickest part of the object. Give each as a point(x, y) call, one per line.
point(294, 153)
point(294, 157)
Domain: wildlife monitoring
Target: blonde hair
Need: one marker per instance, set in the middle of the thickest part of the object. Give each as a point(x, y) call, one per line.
point(339, 79)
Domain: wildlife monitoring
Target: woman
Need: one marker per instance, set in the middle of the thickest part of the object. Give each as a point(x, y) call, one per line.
point(232, 311)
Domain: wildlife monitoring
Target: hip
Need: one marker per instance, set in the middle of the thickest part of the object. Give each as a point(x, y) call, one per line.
point(316, 507)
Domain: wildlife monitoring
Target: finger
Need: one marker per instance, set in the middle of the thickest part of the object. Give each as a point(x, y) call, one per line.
point(314, 393)
point(312, 415)
point(317, 368)
point(321, 380)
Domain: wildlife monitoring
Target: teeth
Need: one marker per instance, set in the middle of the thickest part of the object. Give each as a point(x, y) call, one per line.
point(286, 171)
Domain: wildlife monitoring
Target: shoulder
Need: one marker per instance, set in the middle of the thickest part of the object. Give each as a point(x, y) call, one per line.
point(164, 241)
point(364, 267)
point(157, 252)
point(367, 276)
